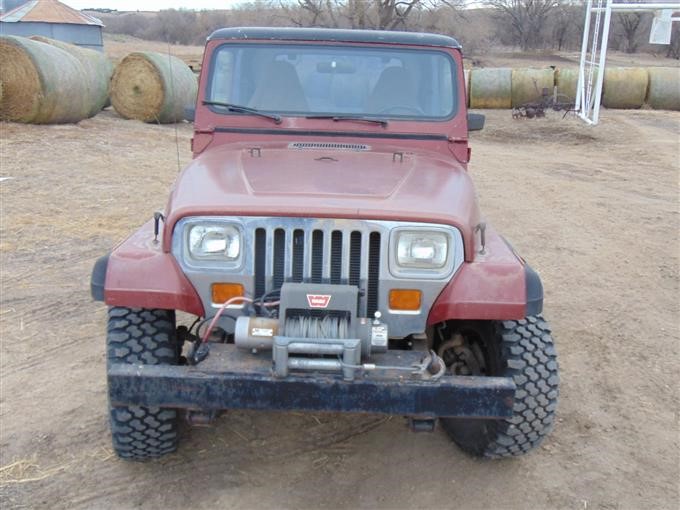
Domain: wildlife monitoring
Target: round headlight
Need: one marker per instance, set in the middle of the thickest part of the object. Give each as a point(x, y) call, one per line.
point(215, 241)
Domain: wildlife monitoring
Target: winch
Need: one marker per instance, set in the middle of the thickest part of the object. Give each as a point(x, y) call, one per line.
point(317, 328)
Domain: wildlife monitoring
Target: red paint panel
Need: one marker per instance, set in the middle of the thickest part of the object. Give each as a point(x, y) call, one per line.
point(421, 187)
point(492, 287)
point(140, 274)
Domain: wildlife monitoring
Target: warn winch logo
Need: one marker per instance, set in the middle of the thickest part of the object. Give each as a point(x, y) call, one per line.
point(318, 300)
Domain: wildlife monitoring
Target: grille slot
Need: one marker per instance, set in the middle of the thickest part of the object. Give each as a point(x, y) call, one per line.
point(298, 255)
point(279, 257)
point(317, 256)
point(336, 257)
point(355, 258)
point(260, 261)
point(373, 273)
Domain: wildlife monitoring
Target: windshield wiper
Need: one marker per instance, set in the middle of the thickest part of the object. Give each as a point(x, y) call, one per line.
point(337, 118)
point(245, 109)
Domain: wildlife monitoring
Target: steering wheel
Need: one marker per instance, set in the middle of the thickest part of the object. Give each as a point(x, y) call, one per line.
point(407, 109)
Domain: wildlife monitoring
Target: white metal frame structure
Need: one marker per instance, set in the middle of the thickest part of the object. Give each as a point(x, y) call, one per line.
point(594, 53)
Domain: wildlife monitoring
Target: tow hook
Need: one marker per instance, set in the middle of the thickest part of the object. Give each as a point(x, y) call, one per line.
point(201, 418)
point(432, 367)
point(422, 424)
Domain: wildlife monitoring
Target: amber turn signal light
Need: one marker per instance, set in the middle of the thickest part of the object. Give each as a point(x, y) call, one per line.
point(223, 292)
point(405, 299)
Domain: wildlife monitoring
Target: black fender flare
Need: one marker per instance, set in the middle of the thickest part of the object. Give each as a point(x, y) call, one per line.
point(534, 287)
point(98, 279)
point(534, 291)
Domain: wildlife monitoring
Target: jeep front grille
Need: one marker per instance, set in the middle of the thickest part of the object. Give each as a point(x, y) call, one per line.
point(318, 256)
point(317, 250)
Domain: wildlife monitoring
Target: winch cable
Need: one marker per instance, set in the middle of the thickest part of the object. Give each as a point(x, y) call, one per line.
point(314, 327)
point(431, 364)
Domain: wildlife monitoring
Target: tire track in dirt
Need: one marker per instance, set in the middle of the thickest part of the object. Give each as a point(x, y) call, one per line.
point(238, 460)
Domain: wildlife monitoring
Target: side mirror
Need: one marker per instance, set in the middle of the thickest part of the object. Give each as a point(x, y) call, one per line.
point(475, 121)
point(190, 113)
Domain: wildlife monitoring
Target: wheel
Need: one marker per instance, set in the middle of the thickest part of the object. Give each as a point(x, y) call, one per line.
point(522, 350)
point(137, 335)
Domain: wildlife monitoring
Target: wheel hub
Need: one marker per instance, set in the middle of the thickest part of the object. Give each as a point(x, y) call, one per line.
point(461, 356)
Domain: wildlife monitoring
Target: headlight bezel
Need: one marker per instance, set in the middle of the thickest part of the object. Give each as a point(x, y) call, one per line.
point(224, 261)
point(392, 230)
point(414, 271)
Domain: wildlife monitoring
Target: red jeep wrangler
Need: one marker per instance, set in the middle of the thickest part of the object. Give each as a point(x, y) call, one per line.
point(328, 242)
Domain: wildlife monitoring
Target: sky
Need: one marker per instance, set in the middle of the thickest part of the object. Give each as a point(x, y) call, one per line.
point(152, 5)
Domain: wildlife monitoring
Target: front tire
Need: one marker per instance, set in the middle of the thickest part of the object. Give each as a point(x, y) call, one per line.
point(148, 337)
point(522, 350)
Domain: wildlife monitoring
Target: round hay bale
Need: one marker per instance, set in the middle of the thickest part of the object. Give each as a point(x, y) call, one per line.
point(491, 88)
point(624, 87)
point(42, 84)
point(153, 87)
point(528, 85)
point(98, 69)
point(664, 88)
point(566, 81)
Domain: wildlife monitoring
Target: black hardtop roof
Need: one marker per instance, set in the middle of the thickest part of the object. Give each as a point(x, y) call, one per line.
point(334, 34)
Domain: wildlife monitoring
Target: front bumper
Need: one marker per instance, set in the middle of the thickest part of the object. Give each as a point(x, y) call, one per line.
point(231, 379)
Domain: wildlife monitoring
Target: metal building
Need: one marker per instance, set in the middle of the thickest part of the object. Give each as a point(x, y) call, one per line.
point(53, 19)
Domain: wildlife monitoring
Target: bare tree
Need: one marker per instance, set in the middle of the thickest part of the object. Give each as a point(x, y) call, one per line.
point(628, 27)
point(191, 27)
point(673, 50)
point(132, 23)
point(566, 21)
point(367, 14)
point(358, 13)
point(173, 26)
point(393, 13)
point(311, 13)
point(526, 19)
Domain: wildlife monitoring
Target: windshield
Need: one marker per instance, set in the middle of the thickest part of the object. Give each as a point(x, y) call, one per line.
point(335, 81)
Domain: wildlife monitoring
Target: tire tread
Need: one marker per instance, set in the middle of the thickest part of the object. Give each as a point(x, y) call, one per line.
point(142, 336)
point(532, 363)
point(527, 354)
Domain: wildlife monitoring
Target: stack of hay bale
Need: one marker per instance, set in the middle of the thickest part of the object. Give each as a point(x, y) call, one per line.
point(43, 81)
point(624, 87)
point(49, 82)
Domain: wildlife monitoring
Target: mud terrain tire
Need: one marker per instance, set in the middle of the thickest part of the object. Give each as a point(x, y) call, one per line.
point(522, 350)
point(142, 336)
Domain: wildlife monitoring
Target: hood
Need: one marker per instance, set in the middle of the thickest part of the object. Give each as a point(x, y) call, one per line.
point(325, 180)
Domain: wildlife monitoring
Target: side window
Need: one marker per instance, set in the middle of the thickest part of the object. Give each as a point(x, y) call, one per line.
point(447, 88)
point(223, 72)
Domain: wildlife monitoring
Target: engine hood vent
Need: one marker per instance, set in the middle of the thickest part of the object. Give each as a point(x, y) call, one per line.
point(331, 146)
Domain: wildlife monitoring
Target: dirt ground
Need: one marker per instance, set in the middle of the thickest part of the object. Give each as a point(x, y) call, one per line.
point(117, 46)
point(594, 210)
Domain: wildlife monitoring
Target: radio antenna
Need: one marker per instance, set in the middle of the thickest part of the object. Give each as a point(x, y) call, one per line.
point(172, 92)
